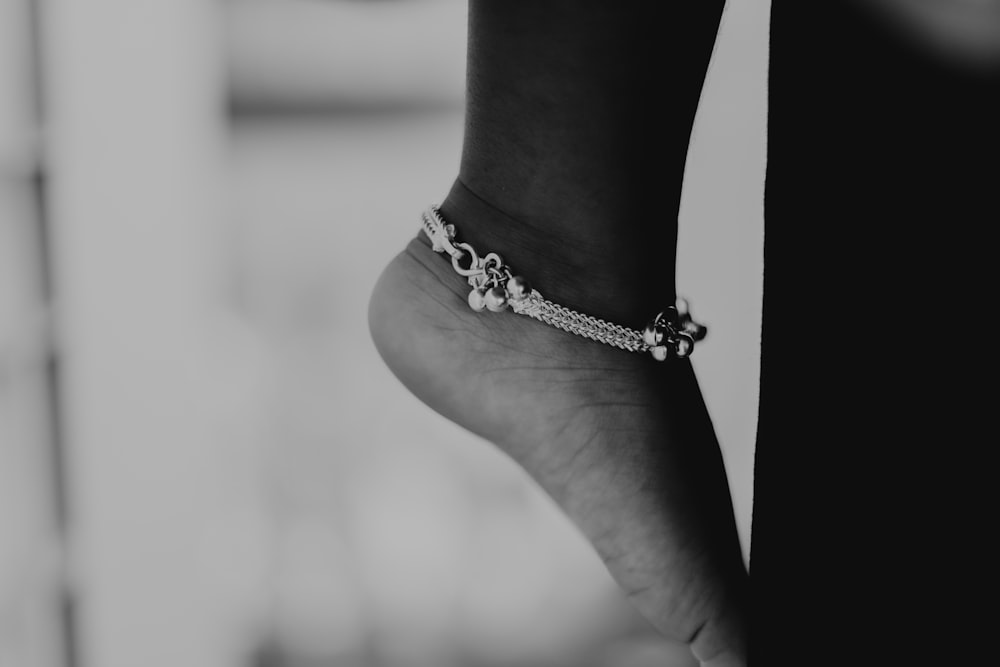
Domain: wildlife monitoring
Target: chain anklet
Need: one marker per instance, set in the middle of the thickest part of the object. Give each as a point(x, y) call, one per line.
point(671, 334)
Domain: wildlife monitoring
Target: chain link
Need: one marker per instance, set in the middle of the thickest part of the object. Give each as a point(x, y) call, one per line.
point(564, 318)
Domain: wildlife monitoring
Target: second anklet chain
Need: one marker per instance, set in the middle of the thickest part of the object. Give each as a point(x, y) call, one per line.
point(671, 334)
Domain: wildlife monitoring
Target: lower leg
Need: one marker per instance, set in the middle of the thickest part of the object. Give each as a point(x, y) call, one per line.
point(578, 120)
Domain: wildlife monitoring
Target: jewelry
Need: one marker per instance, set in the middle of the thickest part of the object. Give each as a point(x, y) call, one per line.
point(671, 334)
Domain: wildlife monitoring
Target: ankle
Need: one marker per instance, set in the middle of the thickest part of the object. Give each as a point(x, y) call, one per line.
point(596, 266)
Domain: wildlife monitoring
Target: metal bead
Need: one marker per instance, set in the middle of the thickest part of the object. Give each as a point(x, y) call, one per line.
point(683, 345)
point(652, 335)
point(693, 329)
point(669, 317)
point(497, 299)
point(518, 288)
point(477, 300)
point(659, 352)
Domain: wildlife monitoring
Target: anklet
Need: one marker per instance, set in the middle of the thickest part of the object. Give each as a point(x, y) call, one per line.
point(671, 334)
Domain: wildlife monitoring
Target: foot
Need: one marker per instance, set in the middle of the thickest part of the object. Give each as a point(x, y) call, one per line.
point(622, 443)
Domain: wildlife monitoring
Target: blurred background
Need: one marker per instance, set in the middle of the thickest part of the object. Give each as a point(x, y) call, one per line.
point(203, 462)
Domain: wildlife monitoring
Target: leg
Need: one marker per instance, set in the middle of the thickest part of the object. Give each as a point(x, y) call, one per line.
point(578, 121)
point(571, 171)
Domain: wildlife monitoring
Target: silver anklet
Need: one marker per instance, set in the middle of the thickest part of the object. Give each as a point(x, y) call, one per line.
point(671, 334)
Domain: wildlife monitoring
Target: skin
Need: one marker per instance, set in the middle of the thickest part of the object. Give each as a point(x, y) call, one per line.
point(571, 170)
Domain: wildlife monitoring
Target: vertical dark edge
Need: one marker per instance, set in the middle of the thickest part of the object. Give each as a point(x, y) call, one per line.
point(39, 184)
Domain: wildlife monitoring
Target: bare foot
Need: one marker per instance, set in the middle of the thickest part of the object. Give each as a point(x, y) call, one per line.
point(621, 442)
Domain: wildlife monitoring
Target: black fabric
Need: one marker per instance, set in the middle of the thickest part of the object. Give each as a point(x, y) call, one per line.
point(877, 402)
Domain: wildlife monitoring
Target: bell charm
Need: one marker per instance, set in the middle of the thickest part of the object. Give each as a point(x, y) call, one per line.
point(497, 299)
point(518, 288)
point(477, 300)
